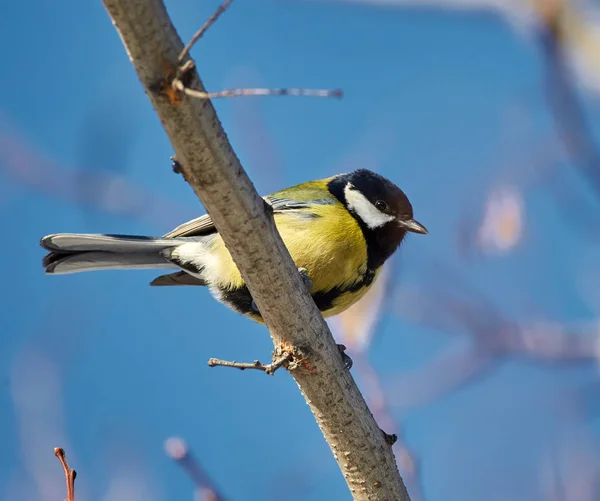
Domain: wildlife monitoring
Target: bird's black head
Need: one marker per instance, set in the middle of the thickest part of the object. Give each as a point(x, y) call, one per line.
point(381, 208)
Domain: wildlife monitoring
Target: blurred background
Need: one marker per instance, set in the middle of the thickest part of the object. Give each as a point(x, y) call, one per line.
point(479, 347)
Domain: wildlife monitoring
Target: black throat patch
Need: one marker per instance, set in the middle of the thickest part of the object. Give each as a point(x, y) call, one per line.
point(381, 242)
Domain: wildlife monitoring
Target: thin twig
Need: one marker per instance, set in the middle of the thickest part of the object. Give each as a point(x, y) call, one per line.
point(70, 473)
point(198, 35)
point(267, 368)
point(263, 92)
point(184, 68)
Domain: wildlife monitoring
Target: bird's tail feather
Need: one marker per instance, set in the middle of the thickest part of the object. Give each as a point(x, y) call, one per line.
point(58, 263)
point(79, 242)
point(73, 253)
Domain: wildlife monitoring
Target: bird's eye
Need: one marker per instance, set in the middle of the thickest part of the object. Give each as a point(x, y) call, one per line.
point(381, 205)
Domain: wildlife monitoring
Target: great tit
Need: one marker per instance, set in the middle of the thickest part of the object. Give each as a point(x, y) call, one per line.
point(339, 232)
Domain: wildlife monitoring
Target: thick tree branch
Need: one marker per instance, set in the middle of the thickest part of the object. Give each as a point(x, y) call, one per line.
point(211, 167)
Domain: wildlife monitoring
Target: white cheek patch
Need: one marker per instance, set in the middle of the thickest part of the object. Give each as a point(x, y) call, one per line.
point(364, 209)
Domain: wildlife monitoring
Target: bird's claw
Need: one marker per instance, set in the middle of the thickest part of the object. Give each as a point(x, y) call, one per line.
point(175, 165)
point(389, 439)
point(345, 357)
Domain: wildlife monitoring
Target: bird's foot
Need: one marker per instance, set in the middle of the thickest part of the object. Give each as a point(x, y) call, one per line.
point(345, 358)
point(175, 165)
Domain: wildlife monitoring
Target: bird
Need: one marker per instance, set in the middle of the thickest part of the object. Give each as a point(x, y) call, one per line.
point(339, 231)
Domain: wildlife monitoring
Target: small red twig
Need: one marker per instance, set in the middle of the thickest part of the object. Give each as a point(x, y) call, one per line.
point(70, 473)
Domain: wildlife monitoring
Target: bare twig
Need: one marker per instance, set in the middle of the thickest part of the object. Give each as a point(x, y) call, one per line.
point(211, 167)
point(495, 337)
point(278, 361)
point(70, 473)
point(198, 35)
point(264, 92)
point(184, 68)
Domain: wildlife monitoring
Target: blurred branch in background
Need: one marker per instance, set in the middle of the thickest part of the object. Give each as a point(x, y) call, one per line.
point(570, 468)
point(570, 43)
point(99, 190)
point(205, 490)
point(493, 338)
point(520, 13)
point(499, 225)
point(570, 472)
point(497, 209)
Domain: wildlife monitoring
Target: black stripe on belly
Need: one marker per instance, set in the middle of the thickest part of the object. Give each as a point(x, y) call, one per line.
point(238, 299)
point(241, 300)
point(325, 299)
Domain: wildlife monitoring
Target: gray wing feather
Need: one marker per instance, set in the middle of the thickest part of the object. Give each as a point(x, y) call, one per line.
point(282, 204)
point(204, 225)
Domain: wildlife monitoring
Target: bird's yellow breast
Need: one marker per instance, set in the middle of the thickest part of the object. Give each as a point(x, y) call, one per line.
point(325, 240)
point(331, 246)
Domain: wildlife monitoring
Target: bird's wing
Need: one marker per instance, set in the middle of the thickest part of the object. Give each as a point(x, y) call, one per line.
point(204, 225)
point(282, 204)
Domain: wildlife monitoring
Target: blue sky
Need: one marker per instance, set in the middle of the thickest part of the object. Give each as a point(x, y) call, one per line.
point(444, 104)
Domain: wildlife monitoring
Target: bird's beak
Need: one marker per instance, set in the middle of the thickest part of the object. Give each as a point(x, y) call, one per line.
point(412, 225)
